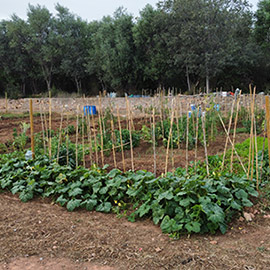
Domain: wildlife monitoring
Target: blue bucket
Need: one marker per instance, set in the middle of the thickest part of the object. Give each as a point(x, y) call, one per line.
point(91, 110)
point(193, 107)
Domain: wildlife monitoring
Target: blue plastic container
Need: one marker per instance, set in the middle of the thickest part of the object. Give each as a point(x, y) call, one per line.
point(217, 107)
point(193, 107)
point(91, 110)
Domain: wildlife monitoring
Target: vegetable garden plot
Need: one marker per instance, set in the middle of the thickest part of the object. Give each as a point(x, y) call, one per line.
point(203, 197)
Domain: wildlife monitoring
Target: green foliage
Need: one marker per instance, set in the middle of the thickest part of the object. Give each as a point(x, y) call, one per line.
point(20, 140)
point(183, 202)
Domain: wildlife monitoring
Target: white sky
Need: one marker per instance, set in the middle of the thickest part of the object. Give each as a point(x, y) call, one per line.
point(87, 9)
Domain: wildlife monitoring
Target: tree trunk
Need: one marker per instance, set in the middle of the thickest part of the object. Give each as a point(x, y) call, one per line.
point(78, 85)
point(207, 84)
point(188, 80)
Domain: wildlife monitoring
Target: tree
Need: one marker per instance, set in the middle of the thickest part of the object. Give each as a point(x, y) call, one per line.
point(73, 40)
point(42, 41)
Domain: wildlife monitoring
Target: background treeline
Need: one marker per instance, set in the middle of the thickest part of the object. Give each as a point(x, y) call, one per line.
point(185, 44)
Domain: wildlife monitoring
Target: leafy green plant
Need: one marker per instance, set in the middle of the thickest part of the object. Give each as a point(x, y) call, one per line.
point(183, 202)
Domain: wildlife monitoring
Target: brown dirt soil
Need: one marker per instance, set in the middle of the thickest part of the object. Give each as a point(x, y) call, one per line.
point(39, 235)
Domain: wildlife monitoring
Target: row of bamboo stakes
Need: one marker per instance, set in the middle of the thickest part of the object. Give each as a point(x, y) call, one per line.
point(174, 112)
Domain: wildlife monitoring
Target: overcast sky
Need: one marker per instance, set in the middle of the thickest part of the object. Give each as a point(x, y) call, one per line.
point(87, 9)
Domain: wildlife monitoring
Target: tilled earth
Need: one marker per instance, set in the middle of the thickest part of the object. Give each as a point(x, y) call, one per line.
point(40, 235)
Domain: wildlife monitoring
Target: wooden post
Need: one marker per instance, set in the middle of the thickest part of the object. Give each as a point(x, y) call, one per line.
point(267, 105)
point(32, 129)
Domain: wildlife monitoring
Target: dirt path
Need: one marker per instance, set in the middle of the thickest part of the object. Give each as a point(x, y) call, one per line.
point(39, 235)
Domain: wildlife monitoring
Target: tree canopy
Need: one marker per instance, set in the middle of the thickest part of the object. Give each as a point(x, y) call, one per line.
point(191, 45)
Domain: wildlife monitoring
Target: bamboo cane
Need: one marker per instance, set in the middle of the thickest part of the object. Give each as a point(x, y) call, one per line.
point(46, 128)
point(251, 159)
point(168, 143)
point(113, 142)
point(42, 127)
point(267, 106)
point(154, 143)
point(256, 154)
point(121, 140)
point(196, 136)
point(60, 135)
point(251, 133)
point(89, 134)
point(223, 125)
point(77, 136)
point(264, 136)
point(234, 131)
point(32, 128)
point(50, 124)
point(101, 139)
point(67, 143)
point(83, 153)
point(227, 138)
point(130, 136)
point(205, 145)
point(187, 133)
point(95, 138)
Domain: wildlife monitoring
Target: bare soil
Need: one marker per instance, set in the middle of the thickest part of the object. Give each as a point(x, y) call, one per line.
point(40, 235)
